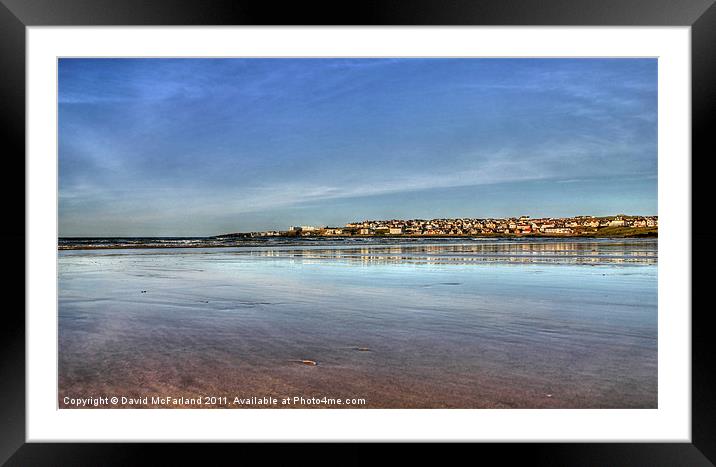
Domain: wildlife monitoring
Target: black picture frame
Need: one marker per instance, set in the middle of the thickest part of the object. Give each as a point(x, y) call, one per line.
point(16, 15)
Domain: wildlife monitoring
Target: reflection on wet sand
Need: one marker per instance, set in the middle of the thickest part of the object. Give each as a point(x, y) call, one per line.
point(553, 252)
point(553, 324)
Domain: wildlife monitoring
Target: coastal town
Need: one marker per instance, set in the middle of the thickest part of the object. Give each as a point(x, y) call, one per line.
point(618, 226)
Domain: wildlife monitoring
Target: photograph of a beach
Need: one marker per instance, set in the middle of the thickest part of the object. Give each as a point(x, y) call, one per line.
point(363, 233)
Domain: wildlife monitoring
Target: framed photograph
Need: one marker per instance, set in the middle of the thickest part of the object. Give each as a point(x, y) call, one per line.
point(417, 223)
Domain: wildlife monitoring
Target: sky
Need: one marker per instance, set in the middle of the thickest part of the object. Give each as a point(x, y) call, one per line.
point(196, 147)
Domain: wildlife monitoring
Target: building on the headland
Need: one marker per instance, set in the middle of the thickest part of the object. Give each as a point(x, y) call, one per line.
point(271, 233)
point(558, 230)
point(304, 230)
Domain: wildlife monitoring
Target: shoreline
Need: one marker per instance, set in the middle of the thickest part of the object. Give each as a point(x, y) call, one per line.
point(238, 243)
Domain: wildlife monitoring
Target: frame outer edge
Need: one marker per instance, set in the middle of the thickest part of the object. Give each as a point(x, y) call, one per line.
point(703, 113)
point(12, 95)
point(12, 235)
point(366, 12)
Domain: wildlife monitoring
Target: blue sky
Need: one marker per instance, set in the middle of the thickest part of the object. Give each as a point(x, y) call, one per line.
point(207, 146)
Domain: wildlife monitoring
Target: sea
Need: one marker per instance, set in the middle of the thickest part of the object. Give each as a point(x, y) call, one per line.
point(358, 322)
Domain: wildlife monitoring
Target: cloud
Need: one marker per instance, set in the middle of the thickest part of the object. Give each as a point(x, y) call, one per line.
point(160, 142)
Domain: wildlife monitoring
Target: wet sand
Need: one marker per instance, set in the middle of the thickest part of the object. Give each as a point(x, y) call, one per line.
point(494, 325)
